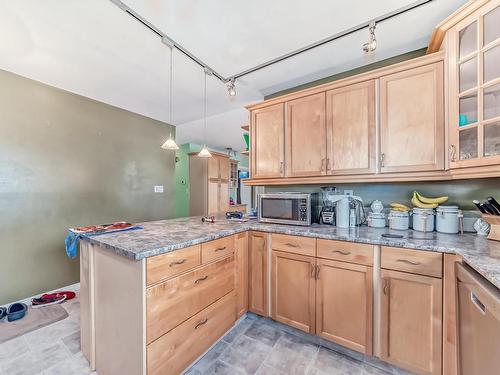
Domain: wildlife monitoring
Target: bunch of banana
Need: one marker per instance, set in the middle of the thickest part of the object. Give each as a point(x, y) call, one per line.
point(418, 200)
point(395, 206)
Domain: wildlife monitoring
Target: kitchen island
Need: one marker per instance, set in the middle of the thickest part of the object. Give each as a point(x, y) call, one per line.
point(156, 298)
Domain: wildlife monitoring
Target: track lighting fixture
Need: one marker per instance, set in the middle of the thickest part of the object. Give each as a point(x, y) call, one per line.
point(204, 153)
point(231, 88)
point(372, 44)
point(170, 143)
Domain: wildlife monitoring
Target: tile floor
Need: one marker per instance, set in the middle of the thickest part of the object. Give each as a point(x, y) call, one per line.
point(254, 346)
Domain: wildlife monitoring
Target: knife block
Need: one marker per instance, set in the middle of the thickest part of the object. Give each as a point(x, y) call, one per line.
point(494, 222)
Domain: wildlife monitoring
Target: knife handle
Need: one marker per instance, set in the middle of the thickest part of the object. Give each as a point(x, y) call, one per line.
point(494, 203)
point(479, 206)
point(491, 210)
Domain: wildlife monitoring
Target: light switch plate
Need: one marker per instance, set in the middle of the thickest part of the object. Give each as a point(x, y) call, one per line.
point(158, 188)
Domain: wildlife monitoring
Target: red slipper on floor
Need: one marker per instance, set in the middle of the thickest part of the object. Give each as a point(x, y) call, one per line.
point(69, 295)
point(43, 301)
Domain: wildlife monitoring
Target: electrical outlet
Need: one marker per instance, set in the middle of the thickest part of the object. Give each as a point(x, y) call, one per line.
point(158, 188)
point(348, 192)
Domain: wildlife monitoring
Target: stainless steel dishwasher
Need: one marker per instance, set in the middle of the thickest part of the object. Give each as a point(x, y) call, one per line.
point(478, 323)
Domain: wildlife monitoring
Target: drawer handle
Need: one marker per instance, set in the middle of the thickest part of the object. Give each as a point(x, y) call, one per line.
point(290, 244)
point(182, 261)
point(409, 262)
point(203, 322)
point(341, 252)
point(220, 248)
point(479, 305)
point(201, 279)
point(313, 271)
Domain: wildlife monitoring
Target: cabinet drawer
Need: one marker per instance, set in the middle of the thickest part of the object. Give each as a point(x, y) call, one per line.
point(177, 299)
point(346, 251)
point(164, 266)
point(414, 261)
point(294, 244)
point(217, 249)
point(176, 350)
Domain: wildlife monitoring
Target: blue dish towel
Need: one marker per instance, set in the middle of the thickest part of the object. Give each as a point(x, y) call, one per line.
point(72, 239)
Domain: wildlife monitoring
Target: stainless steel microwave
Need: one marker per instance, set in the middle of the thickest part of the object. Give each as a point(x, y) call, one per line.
point(287, 208)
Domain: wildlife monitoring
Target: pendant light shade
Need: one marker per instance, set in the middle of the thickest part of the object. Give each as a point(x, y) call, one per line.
point(204, 153)
point(170, 142)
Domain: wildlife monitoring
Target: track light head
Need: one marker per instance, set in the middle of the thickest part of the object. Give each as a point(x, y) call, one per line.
point(231, 88)
point(371, 45)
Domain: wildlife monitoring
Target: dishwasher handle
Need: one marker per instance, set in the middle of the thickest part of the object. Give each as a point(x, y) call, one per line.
point(484, 295)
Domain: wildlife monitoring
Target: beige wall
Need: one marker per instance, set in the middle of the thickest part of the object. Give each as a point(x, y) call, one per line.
point(66, 160)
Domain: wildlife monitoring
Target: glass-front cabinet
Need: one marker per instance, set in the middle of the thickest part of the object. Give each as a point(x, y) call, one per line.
point(473, 49)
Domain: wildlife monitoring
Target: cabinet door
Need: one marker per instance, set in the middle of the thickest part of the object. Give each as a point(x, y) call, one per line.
point(411, 321)
point(350, 117)
point(412, 120)
point(344, 304)
point(257, 273)
point(292, 290)
point(224, 168)
point(213, 167)
point(213, 197)
point(223, 197)
point(267, 134)
point(306, 136)
point(241, 258)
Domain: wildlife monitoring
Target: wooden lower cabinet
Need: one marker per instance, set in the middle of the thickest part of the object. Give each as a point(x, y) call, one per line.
point(411, 321)
point(241, 270)
point(344, 304)
point(292, 290)
point(176, 350)
point(172, 302)
point(258, 273)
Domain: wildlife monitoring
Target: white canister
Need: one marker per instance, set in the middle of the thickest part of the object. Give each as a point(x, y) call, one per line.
point(423, 219)
point(448, 219)
point(399, 220)
point(376, 220)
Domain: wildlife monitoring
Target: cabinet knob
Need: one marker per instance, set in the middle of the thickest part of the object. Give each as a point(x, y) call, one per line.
point(282, 167)
point(317, 272)
point(322, 165)
point(386, 286)
point(453, 153)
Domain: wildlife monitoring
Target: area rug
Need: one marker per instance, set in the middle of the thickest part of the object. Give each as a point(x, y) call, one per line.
point(34, 319)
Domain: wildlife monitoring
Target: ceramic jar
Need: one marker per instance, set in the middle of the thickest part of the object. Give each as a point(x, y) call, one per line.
point(448, 219)
point(423, 219)
point(376, 220)
point(399, 220)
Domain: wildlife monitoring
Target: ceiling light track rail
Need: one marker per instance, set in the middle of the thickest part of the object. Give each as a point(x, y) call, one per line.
point(172, 44)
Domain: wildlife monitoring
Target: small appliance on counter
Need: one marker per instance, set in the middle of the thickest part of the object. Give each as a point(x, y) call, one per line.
point(288, 208)
point(341, 210)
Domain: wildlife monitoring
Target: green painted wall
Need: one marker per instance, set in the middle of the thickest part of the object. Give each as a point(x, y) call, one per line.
point(66, 160)
point(352, 72)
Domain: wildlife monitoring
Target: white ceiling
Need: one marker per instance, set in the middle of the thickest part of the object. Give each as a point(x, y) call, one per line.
point(94, 49)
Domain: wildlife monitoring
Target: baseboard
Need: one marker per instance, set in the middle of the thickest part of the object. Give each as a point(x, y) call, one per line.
point(72, 288)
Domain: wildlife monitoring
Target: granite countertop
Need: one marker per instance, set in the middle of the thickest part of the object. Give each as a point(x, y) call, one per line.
point(158, 237)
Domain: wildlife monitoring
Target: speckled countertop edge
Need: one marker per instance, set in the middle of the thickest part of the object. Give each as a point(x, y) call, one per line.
point(164, 236)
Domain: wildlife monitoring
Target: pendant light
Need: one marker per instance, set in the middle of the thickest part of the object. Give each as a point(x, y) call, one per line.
point(204, 153)
point(170, 143)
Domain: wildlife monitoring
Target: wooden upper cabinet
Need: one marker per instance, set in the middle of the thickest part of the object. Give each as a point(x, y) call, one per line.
point(412, 120)
point(292, 290)
point(257, 273)
point(213, 167)
point(350, 119)
point(267, 134)
point(306, 136)
point(344, 304)
point(411, 321)
point(224, 168)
